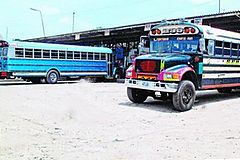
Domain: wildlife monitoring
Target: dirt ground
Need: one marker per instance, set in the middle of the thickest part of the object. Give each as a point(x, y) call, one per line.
point(96, 121)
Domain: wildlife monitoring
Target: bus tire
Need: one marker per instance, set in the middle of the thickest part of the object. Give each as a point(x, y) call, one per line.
point(184, 98)
point(52, 77)
point(136, 95)
point(224, 90)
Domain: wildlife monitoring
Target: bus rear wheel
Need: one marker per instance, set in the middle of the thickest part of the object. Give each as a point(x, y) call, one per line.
point(184, 98)
point(52, 77)
point(136, 95)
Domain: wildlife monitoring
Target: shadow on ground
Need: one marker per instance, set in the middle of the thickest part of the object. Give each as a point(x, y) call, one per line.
point(203, 97)
point(18, 83)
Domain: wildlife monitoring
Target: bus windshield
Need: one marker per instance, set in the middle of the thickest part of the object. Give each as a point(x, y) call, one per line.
point(174, 45)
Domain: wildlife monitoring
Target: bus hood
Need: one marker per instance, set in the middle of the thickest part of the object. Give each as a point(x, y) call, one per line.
point(167, 57)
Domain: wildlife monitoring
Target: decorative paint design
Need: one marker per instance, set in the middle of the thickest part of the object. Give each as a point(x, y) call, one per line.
point(220, 73)
point(174, 73)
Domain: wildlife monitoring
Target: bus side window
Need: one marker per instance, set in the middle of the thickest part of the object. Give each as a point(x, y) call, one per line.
point(19, 52)
point(62, 55)
point(227, 48)
point(37, 53)
point(76, 55)
point(96, 56)
point(211, 46)
point(29, 53)
point(234, 50)
point(90, 56)
point(54, 54)
point(218, 48)
point(69, 55)
point(46, 53)
point(103, 56)
point(84, 55)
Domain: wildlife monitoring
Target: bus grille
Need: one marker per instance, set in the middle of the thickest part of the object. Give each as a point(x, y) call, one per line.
point(147, 66)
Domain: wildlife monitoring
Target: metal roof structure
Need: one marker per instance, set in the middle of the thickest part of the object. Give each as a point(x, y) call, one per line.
point(130, 34)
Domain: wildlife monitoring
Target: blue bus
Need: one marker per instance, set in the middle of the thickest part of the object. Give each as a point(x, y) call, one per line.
point(41, 61)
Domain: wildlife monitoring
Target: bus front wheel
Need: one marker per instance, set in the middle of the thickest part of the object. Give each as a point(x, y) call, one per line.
point(52, 77)
point(184, 98)
point(136, 95)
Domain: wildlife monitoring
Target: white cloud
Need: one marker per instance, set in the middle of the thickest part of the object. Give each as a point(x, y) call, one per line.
point(1, 37)
point(65, 20)
point(49, 10)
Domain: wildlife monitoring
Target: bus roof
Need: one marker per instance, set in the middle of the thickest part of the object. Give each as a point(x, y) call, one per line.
point(50, 46)
point(207, 31)
point(219, 34)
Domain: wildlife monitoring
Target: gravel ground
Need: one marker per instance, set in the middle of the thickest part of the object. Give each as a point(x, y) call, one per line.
point(97, 121)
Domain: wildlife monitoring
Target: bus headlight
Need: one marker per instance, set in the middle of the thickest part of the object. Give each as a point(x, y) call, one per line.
point(171, 76)
point(129, 74)
point(168, 76)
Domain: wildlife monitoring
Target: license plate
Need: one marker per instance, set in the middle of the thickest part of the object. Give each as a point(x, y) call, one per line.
point(145, 84)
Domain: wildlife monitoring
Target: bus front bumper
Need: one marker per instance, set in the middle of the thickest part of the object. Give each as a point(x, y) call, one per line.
point(153, 86)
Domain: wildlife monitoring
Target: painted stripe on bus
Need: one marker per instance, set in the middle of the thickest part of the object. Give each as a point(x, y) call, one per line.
point(222, 68)
point(221, 75)
point(221, 86)
point(211, 61)
point(43, 74)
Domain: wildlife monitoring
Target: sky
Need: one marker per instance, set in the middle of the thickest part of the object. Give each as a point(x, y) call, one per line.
point(18, 21)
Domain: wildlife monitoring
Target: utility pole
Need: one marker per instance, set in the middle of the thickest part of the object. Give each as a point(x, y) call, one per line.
point(219, 6)
point(37, 10)
point(73, 22)
point(7, 33)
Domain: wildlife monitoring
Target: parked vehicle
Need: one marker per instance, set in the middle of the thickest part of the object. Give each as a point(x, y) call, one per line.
point(41, 61)
point(185, 57)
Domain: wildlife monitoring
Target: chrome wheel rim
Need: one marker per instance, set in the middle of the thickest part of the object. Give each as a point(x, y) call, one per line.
point(53, 77)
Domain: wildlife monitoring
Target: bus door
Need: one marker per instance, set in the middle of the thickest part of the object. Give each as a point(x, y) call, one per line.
point(3, 61)
point(110, 64)
point(3, 55)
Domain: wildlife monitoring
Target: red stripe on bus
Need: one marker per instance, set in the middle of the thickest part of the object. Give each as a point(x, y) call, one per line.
point(221, 86)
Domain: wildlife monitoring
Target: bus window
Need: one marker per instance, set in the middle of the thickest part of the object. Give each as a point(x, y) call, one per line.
point(54, 54)
point(234, 50)
point(46, 53)
point(29, 53)
point(37, 53)
point(83, 55)
point(62, 55)
point(90, 56)
point(103, 56)
point(227, 48)
point(76, 55)
point(218, 48)
point(69, 55)
point(19, 52)
point(96, 56)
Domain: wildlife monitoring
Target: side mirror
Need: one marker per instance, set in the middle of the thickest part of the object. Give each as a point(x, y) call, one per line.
point(211, 47)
